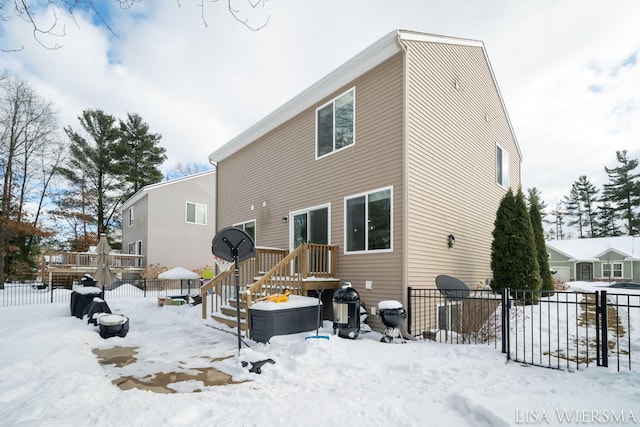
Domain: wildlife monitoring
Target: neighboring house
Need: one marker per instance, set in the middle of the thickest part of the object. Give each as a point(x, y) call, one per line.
point(600, 259)
point(172, 223)
point(399, 152)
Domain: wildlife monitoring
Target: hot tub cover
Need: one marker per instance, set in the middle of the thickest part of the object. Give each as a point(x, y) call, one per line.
point(293, 302)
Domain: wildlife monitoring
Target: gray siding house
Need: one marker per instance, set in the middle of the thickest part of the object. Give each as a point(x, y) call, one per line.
point(399, 157)
point(599, 259)
point(172, 223)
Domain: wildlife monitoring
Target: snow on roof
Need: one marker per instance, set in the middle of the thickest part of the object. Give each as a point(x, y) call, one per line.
point(590, 249)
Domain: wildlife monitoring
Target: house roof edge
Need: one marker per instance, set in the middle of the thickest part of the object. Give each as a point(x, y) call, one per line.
point(145, 190)
point(364, 61)
point(373, 55)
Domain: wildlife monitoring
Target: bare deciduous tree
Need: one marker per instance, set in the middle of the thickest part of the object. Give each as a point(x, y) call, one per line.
point(29, 155)
point(47, 24)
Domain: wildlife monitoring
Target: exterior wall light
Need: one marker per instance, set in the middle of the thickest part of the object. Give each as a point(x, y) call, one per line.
point(285, 219)
point(451, 240)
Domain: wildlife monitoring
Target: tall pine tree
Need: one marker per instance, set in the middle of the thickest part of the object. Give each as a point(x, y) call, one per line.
point(116, 160)
point(558, 221)
point(503, 229)
point(140, 154)
point(623, 191)
point(608, 220)
point(513, 251)
point(573, 209)
point(588, 196)
point(541, 247)
point(581, 207)
point(92, 166)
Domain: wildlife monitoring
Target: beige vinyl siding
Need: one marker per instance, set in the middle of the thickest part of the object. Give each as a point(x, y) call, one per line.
point(139, 230)
point(171, 241)
point(451, 175)
point(280, 170)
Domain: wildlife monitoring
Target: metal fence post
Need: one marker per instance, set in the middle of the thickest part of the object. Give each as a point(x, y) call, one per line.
point(604, 325)
point(504, 292)
point(144, 286)
point(409, 310)
point(597, 311)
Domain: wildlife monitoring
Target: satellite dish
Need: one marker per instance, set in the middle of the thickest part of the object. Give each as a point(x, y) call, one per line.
point(232, 242)
point(452, 288)
point(234, 245)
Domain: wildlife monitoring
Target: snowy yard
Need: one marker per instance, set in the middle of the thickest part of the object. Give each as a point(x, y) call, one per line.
point(52, 375)
point(560, 330)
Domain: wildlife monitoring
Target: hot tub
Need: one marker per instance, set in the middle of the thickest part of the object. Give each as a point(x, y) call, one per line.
point(299, 314)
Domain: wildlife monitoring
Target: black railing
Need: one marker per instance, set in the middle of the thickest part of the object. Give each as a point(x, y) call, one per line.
point(559, 330)
point(26, 293)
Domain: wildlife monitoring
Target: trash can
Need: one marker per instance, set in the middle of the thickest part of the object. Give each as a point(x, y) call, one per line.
point(346, 312)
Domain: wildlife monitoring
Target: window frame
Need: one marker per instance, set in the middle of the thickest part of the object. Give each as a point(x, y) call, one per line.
point(139, 252)
point(502, 167)
point(131, 222)
point(195, 213)
point(366, 195)
point(353, 126)
point(135, 248)
point(308, 210)
point(612, 270)
point(242, 225)
point(451, 315)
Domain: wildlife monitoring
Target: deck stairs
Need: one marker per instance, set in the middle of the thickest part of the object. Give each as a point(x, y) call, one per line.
point(270, 272)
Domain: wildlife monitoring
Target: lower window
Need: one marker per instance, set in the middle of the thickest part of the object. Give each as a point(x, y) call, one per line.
point(368, 221)
point(612, 270)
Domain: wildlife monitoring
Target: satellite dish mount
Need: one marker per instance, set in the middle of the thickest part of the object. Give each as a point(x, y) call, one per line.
point(234, 245)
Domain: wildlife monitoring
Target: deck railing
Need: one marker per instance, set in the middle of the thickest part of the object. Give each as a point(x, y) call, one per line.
point(64, 260)
point(223, 284)
point(271, 272)
point(307, 260)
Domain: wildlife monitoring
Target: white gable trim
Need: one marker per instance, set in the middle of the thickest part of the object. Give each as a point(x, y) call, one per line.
point(146, 189)
point(372, 56)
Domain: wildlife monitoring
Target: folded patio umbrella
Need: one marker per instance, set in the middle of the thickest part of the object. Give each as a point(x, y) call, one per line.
point(103, 275)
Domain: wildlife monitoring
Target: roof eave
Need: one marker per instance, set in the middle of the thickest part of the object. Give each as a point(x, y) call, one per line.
point(372, 56)
point(145, 190)
point(375, 54)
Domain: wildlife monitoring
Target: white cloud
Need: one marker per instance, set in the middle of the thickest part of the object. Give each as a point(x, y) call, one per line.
point(563, 68)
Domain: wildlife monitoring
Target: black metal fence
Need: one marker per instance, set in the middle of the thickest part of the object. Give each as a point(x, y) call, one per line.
point(25, 293)
point(568, 330)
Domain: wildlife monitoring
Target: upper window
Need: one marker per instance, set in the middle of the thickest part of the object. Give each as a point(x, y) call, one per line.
point(248, 227)
point(130, 216)
point(502, 167)
point(335, 124)
point(196, 213)
point(368, 219)
point(612, 270)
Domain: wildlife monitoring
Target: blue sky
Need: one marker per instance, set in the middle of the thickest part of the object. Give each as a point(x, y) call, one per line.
point(568, 70)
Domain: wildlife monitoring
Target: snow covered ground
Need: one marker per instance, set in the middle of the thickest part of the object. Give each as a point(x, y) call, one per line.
point(51, 375)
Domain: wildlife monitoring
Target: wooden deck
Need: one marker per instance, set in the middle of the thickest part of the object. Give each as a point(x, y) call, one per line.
point(65, 267)
point(304, 271)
